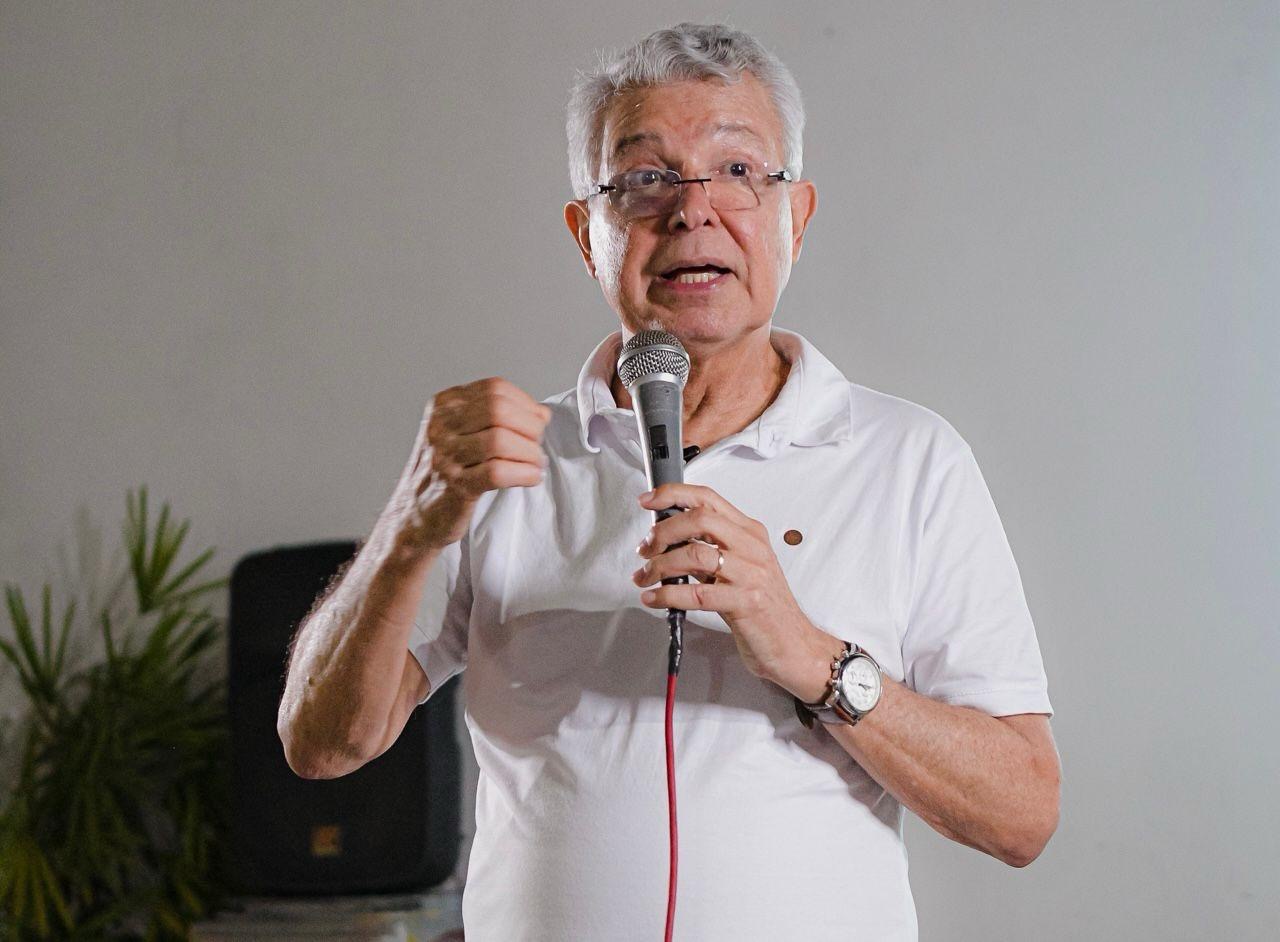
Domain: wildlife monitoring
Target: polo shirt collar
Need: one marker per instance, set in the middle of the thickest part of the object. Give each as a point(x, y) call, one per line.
point(812, 408)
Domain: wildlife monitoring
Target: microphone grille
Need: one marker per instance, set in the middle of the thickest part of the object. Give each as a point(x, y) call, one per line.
point(650, 352)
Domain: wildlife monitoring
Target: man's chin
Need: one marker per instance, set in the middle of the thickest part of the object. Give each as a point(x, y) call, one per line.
point(704, 327)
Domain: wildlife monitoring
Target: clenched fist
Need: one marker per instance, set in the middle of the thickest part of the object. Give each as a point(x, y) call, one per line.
point(473, 438)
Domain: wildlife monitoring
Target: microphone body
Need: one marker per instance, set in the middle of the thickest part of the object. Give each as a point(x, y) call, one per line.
point(658, 401)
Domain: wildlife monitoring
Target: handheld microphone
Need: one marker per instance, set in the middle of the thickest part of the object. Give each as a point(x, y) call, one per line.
point(654, 367)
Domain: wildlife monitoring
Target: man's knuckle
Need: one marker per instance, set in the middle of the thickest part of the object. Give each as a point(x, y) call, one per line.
point(495, 407)
point(441, 415)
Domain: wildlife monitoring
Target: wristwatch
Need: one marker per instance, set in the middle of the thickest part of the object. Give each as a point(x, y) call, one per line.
point(853, 689)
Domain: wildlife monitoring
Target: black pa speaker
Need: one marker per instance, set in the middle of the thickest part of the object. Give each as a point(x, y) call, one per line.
point(391, 826)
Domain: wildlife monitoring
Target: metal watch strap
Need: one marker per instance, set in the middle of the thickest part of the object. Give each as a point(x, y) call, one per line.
point(808, 712)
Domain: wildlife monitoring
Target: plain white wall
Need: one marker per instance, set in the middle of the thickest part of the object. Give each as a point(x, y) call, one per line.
point(243, 243)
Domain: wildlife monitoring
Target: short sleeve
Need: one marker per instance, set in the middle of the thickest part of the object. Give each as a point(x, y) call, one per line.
point(439, 637)
point(969, 638)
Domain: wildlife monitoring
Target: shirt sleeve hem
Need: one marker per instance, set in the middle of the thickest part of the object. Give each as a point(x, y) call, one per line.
point(1003, 701)
point(438, 670)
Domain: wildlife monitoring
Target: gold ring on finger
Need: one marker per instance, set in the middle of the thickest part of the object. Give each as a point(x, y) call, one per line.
point(719, 563)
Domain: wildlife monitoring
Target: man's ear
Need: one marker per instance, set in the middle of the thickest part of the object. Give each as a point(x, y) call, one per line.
point(804, 200)
point(578, 219)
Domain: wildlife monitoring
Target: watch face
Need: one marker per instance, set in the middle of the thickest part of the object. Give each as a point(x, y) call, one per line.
point(860, 684)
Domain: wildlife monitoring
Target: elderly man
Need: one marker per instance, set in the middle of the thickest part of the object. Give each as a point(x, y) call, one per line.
point(847, 564)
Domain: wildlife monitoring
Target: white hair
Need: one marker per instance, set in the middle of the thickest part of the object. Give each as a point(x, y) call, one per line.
point(684, 52)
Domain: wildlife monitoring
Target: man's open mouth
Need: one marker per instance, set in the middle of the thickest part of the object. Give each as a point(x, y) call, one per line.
point(694, 275)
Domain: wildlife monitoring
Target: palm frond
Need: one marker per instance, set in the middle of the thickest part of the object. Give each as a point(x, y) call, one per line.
point(39, 667)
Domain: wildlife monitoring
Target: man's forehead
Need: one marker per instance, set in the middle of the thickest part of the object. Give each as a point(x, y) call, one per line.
point(730, 130)
point(699, 109)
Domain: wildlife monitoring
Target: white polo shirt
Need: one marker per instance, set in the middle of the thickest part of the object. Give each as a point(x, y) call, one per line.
point(782, 835)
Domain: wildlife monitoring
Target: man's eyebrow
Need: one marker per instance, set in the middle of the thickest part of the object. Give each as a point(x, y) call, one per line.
point(741, 130)
point(631, 140)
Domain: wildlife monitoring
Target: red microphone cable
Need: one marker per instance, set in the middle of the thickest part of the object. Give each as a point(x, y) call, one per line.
point(675, 620)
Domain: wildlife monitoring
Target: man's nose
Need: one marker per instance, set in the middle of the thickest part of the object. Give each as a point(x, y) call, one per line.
point(693, 207)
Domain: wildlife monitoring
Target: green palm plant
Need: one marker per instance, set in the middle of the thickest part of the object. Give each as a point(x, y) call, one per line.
point(115, 824)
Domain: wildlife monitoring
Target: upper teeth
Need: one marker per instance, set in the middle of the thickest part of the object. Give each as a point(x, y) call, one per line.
point(693, 277)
